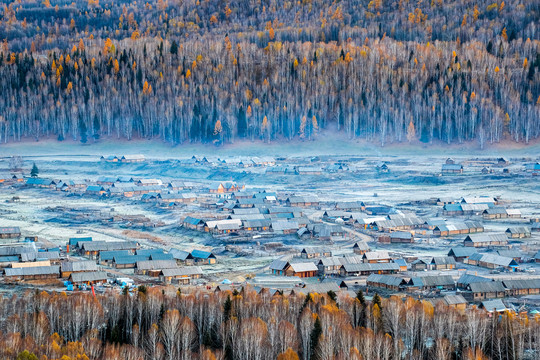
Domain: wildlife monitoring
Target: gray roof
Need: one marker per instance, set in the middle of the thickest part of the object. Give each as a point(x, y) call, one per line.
point(495, 304)
point(432, 281)
point(370, 267)
point(75, 266)
point(386, 279)
point(182, 271)
point(35, 270)
point(487, 237)
point(486, 287)
point(88, 276)
point(522, 284)
point(461, 251)
point(319, 288)
point(454, 300)
point(180, 254)
point(466, 279)
point(443, 260)
point(107, 245)
point(49, 255)
point(156, 264)
point(304, 266)
point(109, 255)
point(518, 230)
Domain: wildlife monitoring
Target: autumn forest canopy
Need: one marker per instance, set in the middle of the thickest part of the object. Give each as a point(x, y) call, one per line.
point(244, 325)
point(219, 71)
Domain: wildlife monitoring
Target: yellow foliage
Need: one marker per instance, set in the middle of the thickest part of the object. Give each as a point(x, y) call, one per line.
point(289, 354)
point(188, 73)
point(496, 69)
point(218, 128)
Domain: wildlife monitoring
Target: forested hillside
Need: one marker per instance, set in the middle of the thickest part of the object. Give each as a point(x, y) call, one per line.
point(247, 326)
point(384, 71)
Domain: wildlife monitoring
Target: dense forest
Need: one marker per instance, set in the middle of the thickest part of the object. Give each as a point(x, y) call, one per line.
point(200, 70)
point(250, 326)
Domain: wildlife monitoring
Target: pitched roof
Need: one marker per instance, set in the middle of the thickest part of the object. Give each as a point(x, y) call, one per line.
point(303, 266)
point(156, 264)
point(88, 276)
point(486, 286)
point(386, 279)
point(74, 266)
point(432, 280)
point(454, 300)
point(182, 271)
point(200, 254)
point(34, 270)
point(180, 254)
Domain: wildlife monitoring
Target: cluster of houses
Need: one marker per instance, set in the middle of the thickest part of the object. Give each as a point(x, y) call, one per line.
point(137, 158)
point(27, 261)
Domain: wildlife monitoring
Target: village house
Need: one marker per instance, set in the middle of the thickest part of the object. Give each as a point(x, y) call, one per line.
point(226, 187)
point(149, 182)
point(493, 261)
point(311, 253)
point(10, 232)
point(360, 248)
point(88, 278)
point(443, 263)
point(485, 290)
point(302, 270)
point(132, 158)
point(182, 257)
point(201, 257)
point(389, 282)
point(466, 279)
point(452, 169)
point(330, 266)
point(193, 223)
point(518, 232)
point(92, 249)
point(398, 223)
point(460, 254)
point(496, 212)
point(69, 267)
point(457, 302)
point(302, 201)
point(106, 180)
point(308, 170)
point(432, 282)
point(95, 190)
point(223, 226)
point(496, 306)
point(32, 273)
point(522, 287)
point(419, 265)
point(181, 275)
point(514, 254)
point(457, 228)
point(73, 243)
point(278, 267)
point(107, 257)
point(153, 267)
point(352, 206)
point(382, 168)
point(257, 225)
point(128, 261)
point(110, 158)
point(513, 213)
point(354, 269)
point(397, 237)
point(373, 257)
point(486, 240)
point(41, 183)
point(284, 227)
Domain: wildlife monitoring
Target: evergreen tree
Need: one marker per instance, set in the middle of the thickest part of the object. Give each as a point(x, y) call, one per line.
point(35, 171)
point(315, 337)
point(227, 309)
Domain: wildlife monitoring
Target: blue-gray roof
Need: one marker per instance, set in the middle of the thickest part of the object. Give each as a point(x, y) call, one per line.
point(109, 255)
point(199, 254)
point(74, 241)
